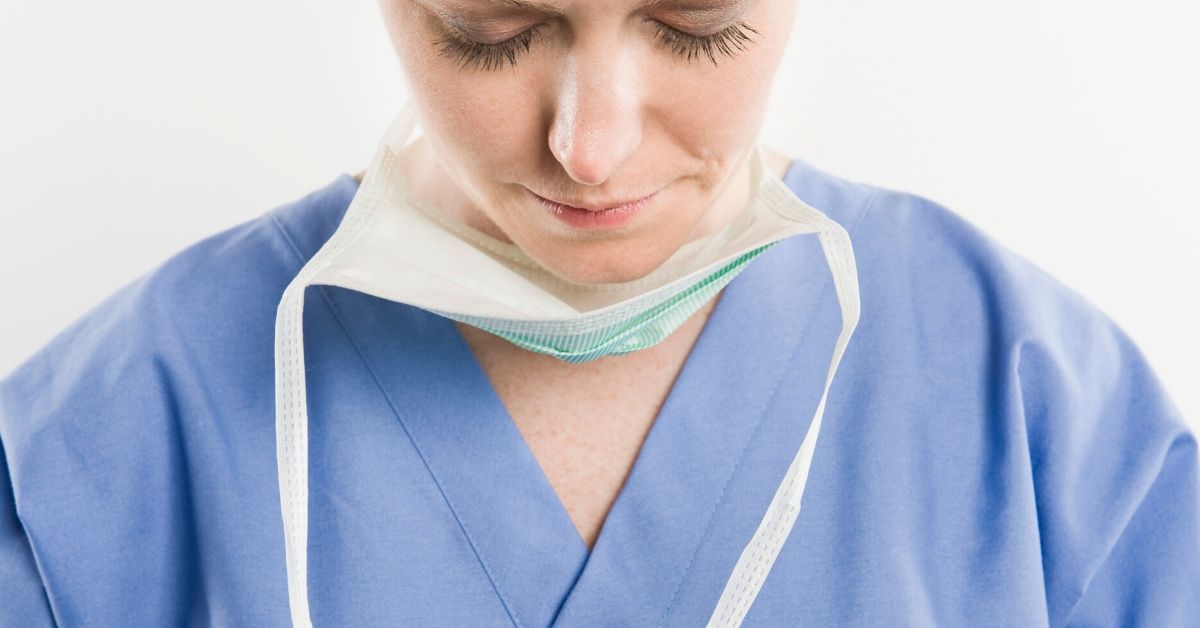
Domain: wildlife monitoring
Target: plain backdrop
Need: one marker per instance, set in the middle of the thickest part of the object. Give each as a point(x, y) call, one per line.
point(1066, 129)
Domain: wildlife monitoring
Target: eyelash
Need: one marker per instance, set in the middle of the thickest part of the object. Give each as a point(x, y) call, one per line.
point(724, 43)
point(488, 56)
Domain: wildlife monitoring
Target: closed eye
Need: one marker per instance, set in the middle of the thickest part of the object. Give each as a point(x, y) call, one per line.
point(722, 44)
point(488, 56)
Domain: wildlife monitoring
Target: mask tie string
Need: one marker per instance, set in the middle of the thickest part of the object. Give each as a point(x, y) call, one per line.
point(291, 414)
point(759, 555)
point(291, 404)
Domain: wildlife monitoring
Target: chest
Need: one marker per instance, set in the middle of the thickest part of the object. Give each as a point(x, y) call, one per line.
point(584, 423)
point(585, 429)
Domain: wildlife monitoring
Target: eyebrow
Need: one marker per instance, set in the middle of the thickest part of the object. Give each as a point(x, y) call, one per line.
point(529, 5)
point(544, 7)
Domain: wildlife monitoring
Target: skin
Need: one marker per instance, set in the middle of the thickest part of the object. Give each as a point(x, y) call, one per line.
point(596, 110)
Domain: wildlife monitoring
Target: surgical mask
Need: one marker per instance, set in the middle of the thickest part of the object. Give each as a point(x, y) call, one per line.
point(391, 245)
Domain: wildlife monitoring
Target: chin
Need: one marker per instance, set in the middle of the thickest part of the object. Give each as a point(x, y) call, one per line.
point(595, 265)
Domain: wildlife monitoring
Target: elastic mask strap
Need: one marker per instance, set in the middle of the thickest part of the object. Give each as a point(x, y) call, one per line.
point(759, 555)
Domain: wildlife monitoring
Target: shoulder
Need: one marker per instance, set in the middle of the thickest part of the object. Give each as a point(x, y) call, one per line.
point(140, 415)
point(952, 317)
point(973, 355)
point(201, 308)
point(922, 264)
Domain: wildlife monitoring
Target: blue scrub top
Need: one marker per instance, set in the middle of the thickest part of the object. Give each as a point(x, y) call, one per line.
point(995, 452)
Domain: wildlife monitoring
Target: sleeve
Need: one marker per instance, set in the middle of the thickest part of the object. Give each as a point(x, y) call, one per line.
point(1117, 481)
point(95, 507)
point(23, 600)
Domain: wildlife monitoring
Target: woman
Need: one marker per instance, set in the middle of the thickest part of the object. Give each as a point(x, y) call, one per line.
point(452, 450)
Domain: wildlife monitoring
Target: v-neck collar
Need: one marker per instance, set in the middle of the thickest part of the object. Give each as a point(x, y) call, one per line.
point(505, 506)
point(700, 440)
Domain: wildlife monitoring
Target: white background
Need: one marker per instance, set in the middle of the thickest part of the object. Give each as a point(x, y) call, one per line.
point(1067, 129)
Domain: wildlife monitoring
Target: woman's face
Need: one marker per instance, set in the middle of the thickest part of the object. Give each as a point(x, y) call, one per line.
point(588, 104)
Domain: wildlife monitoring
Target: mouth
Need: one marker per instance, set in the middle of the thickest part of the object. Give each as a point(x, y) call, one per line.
point(596, 215)
point(598, 206)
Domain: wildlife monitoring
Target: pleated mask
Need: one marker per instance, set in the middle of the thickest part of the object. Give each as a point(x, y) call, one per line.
point(392, 245)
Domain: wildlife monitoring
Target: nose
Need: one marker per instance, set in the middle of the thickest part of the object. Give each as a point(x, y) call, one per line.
point(597, 122)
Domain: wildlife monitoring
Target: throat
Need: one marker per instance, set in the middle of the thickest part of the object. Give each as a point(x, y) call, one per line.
point(585, 423)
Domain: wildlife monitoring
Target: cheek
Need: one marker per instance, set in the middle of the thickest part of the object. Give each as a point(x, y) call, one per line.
point(715, 115)
point(715, 111)
point(492, 128)
point(487, 122)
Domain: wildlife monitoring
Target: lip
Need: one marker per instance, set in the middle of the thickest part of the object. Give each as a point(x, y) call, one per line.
point(595, 216)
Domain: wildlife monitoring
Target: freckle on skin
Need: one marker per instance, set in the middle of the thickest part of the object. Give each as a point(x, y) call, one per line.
point(497, 132)
point(542, 125)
